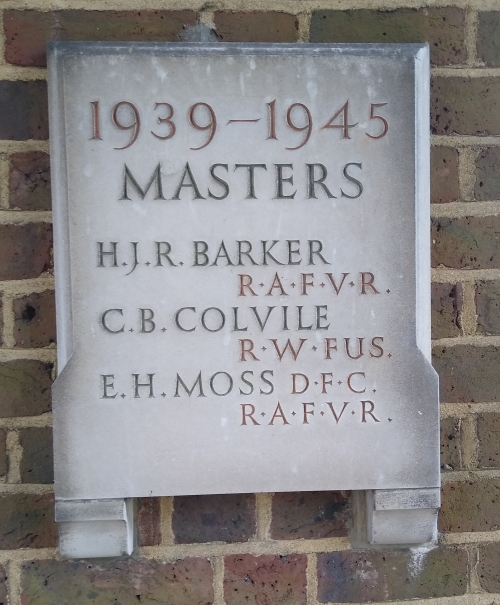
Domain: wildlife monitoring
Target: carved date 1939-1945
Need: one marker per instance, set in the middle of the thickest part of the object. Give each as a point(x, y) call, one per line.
point(202, 117)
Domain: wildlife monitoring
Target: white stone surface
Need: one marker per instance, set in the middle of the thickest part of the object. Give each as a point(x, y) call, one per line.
point(113, 446)
point(402, 516)
point(95, 528)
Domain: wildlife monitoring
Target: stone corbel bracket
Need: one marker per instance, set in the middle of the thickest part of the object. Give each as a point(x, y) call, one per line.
point(95, 528)
point(402, 516)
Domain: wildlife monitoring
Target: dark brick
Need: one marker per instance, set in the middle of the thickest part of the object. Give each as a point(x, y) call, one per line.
point(468, 374)
point(268, 26)
point(1, 320)
point(488, 307)
point(37, 463)
point(27, 32)
point(23, 110)
point(117, 582)
point(361, 577)
point(455, 103)
point(488, 43)
point(27, 521)
point(29, 181)
point(3, 586)
point(215, 518)
point(3, 453)
point(487, 186)
point(488, 433)
point(266, 579)
point(451, 458)
point(470, 506)
point(488, 567)
point(149, 521)
point(472, 242)
point(444, 175)
point(446, 305)
point(25, 250)
point(35, 320)
point(25, 388)
point(310, 515)
point(442, 28)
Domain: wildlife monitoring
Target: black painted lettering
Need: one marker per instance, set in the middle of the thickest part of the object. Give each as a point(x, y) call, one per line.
point(229, 386)
point(312, 181)
point(107, 385)
point(146, 385)
point(200, 254)
point(163, 250)
point(219, 181)
point(197, 383)
point(293, 251)
point(266, 381)
point(147, 323)
point(187, 182)
point(351, 179)
point(217, 324)
point(251, 178)
point(222, 253)
point(262, 323)
point(280, 180)
point(102, 254)
point(241, 252)
point(247, 382)
point(315, 249)
point(104, 321)
point(177, 318)
point(129, 179)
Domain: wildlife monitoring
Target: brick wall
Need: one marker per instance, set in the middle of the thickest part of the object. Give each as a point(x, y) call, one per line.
point(261, 549)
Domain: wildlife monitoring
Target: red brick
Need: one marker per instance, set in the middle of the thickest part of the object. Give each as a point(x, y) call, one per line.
point(310, 515)
point(470, 506)
point(455, 103)
point(451, 457)
point(117, 582)
point(27, 32)
point(149, 521)
point(446, 305)
point(29, 181)
point(25, 250)
point(35, 320)
point(214, 518)
point(265, 580)
point(23, 110)
point(27, 521)
point(488, 567)
point(487, 185)
point(488, 307)
point(366, 576)
point(25, 386)
point(468, 374)
point(488, 433)
point(3, 453)
point(488, 44)
point(268, 26)
point(37, 463)
point(442, 28)
point(444, 175)
point(472, 242)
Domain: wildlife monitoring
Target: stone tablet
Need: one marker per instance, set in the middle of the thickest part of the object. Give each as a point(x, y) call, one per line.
point(242, 269)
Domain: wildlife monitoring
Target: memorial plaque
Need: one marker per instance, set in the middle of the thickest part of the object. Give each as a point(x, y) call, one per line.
point(242, 269)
